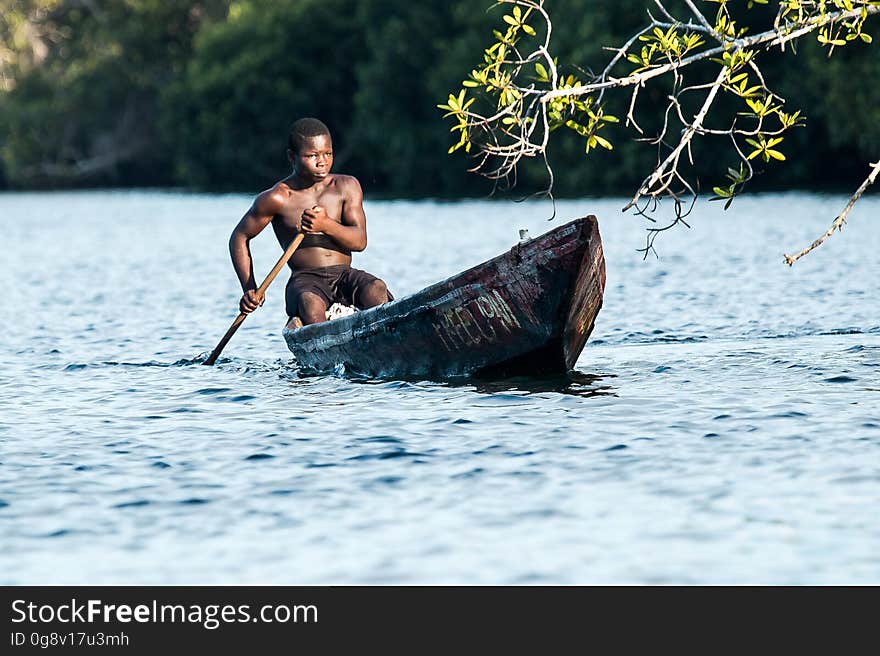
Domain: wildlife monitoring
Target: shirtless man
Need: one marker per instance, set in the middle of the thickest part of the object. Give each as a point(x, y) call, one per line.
point(328, 208)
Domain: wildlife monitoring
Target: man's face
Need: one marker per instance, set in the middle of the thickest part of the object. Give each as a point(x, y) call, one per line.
point(314, 157)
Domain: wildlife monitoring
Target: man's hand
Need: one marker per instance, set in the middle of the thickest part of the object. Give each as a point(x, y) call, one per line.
point(249, 301)
point(315, 220)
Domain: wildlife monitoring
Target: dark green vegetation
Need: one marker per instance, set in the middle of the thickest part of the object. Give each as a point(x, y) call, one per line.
point(200, 94)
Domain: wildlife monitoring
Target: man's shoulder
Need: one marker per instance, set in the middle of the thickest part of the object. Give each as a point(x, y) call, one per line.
point(346, 183)
point(280, 189)
point(343, 179)
point(274, 197)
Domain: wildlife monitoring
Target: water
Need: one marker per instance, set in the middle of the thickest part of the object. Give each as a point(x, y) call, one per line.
point(723, 425)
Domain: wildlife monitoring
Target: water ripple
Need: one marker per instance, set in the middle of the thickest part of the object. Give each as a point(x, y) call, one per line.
point(720, 426)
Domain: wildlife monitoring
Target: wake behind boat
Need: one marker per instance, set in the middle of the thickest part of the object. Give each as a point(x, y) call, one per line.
point(528, 311)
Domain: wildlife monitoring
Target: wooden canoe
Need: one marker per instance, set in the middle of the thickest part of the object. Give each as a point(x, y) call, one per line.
point(528, 311)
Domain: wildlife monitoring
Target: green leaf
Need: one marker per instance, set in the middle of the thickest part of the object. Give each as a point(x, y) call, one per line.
point(543, 76)
point(603, 142)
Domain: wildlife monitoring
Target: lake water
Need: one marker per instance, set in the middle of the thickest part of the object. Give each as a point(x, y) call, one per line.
point(723, 424)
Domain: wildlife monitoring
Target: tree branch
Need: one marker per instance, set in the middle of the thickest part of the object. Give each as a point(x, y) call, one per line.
point(526, 105)
point(841, 219)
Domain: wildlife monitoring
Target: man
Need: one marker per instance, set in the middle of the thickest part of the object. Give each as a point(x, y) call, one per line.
point(328, 208)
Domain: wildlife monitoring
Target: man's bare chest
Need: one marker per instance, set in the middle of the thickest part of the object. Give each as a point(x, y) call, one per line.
point(291, 214)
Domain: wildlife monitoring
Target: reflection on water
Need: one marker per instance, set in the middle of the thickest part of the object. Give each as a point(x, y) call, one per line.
point(575, 383)
point(721, 426)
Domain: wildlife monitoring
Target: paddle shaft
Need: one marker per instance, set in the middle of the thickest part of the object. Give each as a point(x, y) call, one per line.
point(261, 291)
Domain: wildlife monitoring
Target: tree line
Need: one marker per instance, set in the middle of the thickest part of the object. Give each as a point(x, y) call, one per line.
point(200, 94)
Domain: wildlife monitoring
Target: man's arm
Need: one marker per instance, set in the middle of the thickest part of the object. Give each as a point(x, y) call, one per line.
point(351, 233)
point(265, 207)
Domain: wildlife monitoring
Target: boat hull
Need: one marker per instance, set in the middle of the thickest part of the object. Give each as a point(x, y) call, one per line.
point(526, 312)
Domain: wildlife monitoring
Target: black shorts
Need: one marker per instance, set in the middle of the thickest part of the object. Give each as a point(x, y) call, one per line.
point(335, 284)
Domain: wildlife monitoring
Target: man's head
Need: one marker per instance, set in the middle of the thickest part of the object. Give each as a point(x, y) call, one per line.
point(303, 130)
point(310, 148)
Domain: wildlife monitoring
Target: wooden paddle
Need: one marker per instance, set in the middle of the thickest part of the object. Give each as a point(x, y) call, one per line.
point(261, 292)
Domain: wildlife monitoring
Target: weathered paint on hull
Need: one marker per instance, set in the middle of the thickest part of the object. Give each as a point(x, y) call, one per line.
point(528, 311)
